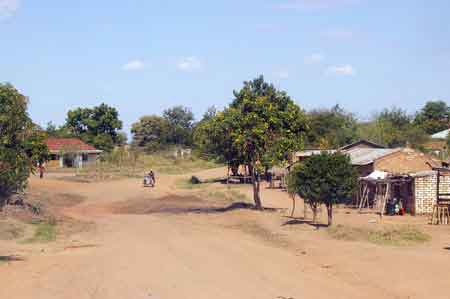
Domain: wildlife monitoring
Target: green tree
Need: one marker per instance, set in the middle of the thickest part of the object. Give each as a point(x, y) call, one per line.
point(98, 126)
point(393, 128)
point(433, 117)
point(21, 142)
point(333, 128)
point(181, 122)
point(210, 113)
point(259, 128)
point(151, 133)
point(324, 179)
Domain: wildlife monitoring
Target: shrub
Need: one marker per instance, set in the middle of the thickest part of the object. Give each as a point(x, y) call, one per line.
point(194, 180)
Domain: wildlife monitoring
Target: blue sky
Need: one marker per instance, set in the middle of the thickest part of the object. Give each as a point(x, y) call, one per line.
point(144, 56)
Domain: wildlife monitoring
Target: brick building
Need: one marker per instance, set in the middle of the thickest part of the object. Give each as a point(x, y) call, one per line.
point(425, 190)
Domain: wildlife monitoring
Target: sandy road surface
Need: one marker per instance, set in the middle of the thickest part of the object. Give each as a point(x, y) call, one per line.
point(198, 256)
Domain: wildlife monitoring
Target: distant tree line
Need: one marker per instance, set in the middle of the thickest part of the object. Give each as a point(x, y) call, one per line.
point(174, 128)
point(327, 128)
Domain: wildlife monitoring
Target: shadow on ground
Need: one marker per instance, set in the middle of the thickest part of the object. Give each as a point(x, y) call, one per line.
point(447, 248)
point(301, 221)
point(175, 204)
point(10, 258)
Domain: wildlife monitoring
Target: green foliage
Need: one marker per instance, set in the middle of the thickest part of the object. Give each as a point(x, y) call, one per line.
point(260, 128)
point(155, 133)
point(393, 128)
point(45, 231)
point(324, 179)
point(151, 133)
point(181, 122)
point(98, 126)
point(21, 142)
point(434, 117)
point(332, 128)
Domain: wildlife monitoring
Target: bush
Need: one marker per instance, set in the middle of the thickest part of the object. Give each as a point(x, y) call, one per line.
point(194, 180)
point(324, 179)
point(21, 143)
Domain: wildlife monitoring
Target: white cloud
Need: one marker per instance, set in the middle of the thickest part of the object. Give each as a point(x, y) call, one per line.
point(281, 74)
point(315, 4)
point(341, 70)
point(189, 64)
point(315, 58)
point(134, 65)
point(8, 8)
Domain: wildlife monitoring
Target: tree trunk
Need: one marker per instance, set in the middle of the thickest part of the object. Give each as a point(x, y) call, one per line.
point(305, 209)
point(293, 205)
point(330, 214)
point(256, 189)
point(314, 210)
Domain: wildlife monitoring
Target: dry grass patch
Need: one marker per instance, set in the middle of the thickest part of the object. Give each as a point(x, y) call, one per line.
point(11, 231)
point(226, 195)
point(44, 231)
point(391, 236)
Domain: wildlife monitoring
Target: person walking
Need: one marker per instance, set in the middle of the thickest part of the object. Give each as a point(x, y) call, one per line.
point(41, 170)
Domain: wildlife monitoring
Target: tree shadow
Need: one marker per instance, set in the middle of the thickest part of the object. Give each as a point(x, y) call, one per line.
point(229, 208)
point(11, 258)
point(301, 221)
point(447, 248)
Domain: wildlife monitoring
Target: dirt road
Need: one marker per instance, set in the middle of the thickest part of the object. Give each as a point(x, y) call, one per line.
point(238, 254)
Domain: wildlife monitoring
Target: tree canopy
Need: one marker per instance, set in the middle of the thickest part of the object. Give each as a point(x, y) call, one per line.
point(21, 142)
point(324, 179)
point(154, 133)
point(151, 133)
point(181, 122)
point(260, 128)
point(393, 128)
point(98, 126)
point(433, 117)
point(331, 128)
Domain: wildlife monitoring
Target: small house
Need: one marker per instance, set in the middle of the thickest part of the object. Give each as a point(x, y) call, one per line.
point(70, 152)
point(395, 161)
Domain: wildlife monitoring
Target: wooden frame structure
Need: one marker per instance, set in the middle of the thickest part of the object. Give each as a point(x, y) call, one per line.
point(382, 191)
point(441, 214)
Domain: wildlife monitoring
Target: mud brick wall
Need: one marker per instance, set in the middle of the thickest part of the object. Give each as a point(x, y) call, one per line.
point(425, 192)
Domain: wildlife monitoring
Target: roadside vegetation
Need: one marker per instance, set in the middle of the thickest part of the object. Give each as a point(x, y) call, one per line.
point(405, 235)
point(44, 231)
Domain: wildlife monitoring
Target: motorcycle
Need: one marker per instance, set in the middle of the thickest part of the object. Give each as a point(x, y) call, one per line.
point(148, 181)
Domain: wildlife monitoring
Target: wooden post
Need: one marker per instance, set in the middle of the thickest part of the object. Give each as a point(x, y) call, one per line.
point(438, 182)
point(383, 206)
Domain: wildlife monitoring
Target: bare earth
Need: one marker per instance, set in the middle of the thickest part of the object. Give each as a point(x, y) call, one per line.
point(169, 242)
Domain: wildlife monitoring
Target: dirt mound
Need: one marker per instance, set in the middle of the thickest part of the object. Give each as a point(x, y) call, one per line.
point(175, 204)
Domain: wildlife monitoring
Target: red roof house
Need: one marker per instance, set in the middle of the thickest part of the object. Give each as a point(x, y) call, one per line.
point(70, 152)
point(56, 145)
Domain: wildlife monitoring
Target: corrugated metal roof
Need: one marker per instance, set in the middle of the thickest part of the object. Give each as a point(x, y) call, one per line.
point(441, 135)
point(424, 173)
point(311, 152)
point(364, 156)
